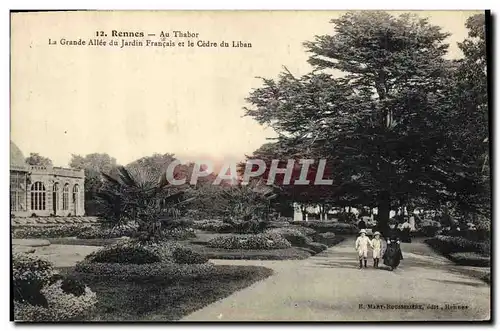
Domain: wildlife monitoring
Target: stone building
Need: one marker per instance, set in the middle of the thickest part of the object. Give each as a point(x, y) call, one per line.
point(44, 190)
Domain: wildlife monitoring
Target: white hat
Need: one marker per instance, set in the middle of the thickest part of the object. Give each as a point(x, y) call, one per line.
point(362, 231)
point(376, 233)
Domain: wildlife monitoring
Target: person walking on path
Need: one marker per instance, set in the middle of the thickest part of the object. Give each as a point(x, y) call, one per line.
point(376, 244)
point(362, 243)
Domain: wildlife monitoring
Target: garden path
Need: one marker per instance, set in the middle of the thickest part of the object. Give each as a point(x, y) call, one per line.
point(330, 287)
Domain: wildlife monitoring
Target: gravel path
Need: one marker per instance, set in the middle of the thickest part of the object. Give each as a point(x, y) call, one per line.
point(329, 287)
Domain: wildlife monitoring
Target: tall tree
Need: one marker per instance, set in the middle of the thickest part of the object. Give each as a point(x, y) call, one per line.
point(93, 164)
point(381, 117)
point(37, 159)
point(470, 118)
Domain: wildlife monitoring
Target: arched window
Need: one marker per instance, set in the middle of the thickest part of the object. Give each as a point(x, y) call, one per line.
point(55, 197)
point(66, 197)
point(76, 191)
point(17, 191)
point(37, 196)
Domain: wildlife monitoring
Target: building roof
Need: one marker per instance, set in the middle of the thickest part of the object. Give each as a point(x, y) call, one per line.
point(17, 159)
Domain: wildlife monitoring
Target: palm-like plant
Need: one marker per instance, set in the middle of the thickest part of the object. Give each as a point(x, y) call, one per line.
point(136, 194)
point(242, 204)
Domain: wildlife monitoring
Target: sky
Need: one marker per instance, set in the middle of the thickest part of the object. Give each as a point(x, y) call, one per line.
point(137, 101)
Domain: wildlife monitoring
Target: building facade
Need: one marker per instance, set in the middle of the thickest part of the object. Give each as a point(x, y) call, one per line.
point(44, 190)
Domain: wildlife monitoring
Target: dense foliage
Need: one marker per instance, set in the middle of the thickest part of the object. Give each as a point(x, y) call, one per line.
point(41, 294)
point(399, 124)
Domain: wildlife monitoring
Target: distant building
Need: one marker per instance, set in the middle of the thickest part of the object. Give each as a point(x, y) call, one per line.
point(44, 190)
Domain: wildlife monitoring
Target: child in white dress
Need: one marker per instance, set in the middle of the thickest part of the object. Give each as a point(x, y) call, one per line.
point(362, 243)
point(376, 244)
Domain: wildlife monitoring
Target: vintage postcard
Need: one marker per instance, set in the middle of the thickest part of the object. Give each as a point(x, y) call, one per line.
point(235, 166)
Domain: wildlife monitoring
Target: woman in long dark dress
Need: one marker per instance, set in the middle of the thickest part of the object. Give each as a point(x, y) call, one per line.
point(392, 255)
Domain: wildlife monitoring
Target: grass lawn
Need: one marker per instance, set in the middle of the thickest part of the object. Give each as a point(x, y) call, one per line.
point(166, 301)
point(293, 253)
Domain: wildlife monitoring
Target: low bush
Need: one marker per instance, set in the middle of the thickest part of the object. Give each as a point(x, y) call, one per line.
point(470, 259)
point(184, 255)
point(41, 294)
point(144, 272)
point(448, 244)
point(316, 247)
point(254, 241)
point(337, 228)
point(328, 238)
point(179, 234)
point(29, 275)
point(486, 278)
point(107, 233)
point(61, 306)
point(131, 253)
point(428, 231)
point(293, 235)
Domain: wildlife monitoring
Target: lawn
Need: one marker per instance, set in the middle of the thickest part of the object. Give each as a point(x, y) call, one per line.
point(166, 301)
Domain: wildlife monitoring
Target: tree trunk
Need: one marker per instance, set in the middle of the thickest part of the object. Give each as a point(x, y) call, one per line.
point(384, 210)
point(303, 211)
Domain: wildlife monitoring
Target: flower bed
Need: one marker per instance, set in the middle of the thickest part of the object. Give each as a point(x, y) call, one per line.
point(107, 233)
point(56, 231)
point(41, 294)
point(256, 241)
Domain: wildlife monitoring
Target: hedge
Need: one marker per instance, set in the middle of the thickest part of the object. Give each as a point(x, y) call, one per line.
point(253, 241)
point(470, 259)
point(448, 245)
point(335, 227)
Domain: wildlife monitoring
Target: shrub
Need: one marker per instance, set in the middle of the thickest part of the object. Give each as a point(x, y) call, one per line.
point(128, 253)
point(328, 238)
point(316, 247)
point(486, 278)
point(293, 235)
point(184, 255)
point(304, 230)
point(448, 244)
point(337, 228)
point(258, 241)
point(429, 230)
point(179, 234)
point(485, 247)
point(145, 272)
point(470, 259)
point(29, 275)
point(40, 294)
point(249, 226)
point(62, 306)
